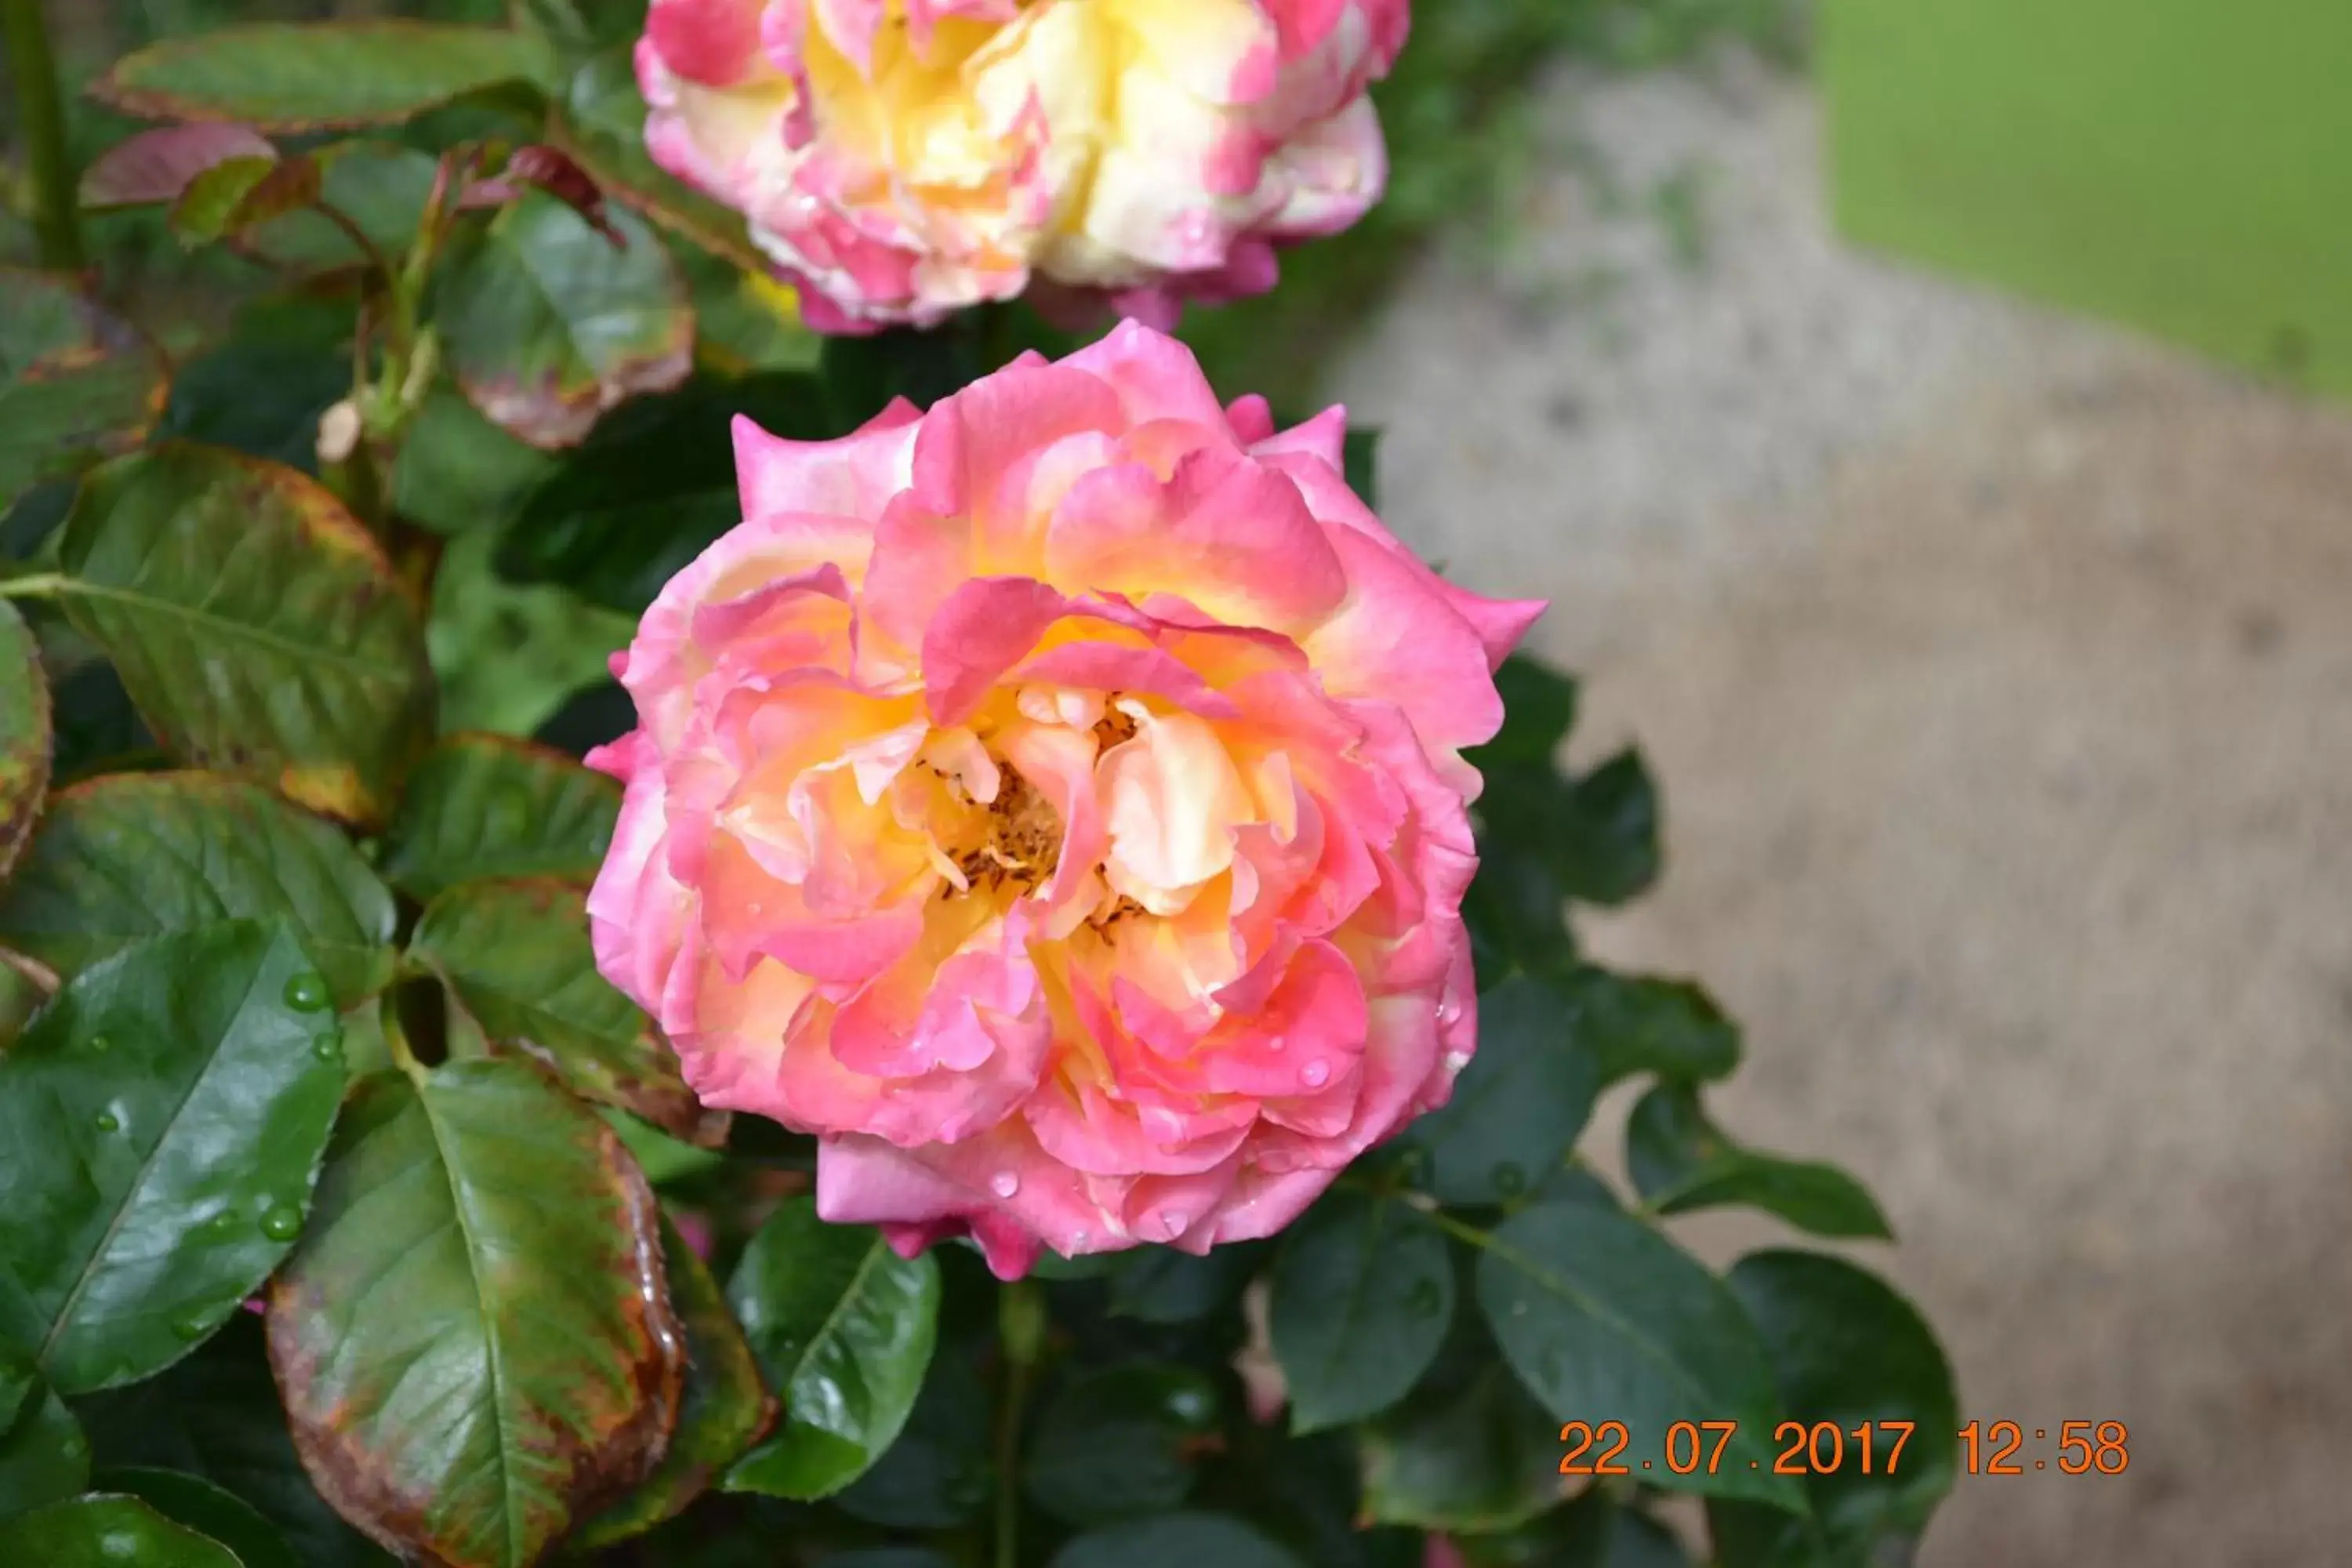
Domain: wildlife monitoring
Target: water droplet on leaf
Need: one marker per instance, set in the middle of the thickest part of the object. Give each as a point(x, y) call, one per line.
point(283, 1223)
point(1509, 1179)
point(326, 1047)
point(192, 1328)
point(108, 1121)
point(1005, 1184)
point(100, 1043)
point(222, 1223)
point(306, 992)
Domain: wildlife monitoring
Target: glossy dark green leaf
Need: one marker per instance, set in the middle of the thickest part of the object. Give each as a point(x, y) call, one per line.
point(1845, 1349)
point(301, 77)
point(1516, 915)
point(104, 1531)
point(1175, 1540)
point(255, 624)
point(25, 739)
point(284, 361)
point(459, 472)
point(724, 1410)
point(75, 381)
point(201, 1506)
point(547, 323)
point(44, 1455)
point(161, 1125)
point(1598, 836)
point(651, 488)
point(1682, 1161)
point(1604, 1320)
point(216, 1415)
point(510, 655)
point(1360, 453)
point(1119, 1442)
point(475, 1340)
point(844, 1329)
point(939, 1474)
point(1640, 1024)
point(1474, 1453)
point(490, 805)
point(518, 956)
point(1519, 1104)
point(1362, 1295)
point(132, 855)
point(600, 120)
point(1163, 1284)
point(381, 187)
point(20, 1379)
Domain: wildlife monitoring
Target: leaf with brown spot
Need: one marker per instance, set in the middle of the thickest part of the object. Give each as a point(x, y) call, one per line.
point(157, 165)
point(475, 1339)
point(490, 805)
point(27, 740)
point(727, 1406)
point(77, 383)
point(547, 324)
point(284, 76)
point(257, 625)
point(517, 954)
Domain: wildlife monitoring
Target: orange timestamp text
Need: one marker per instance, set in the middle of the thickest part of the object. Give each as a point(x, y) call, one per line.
point(1867, 1448)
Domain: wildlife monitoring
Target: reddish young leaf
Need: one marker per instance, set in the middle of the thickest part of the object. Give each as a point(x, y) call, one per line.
point(157, 165)
point(551, 170)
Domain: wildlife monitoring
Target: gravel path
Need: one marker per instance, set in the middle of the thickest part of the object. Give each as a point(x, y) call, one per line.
point(1999, 671)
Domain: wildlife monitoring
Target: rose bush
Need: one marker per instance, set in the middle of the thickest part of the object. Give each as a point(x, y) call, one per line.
point(1055, 800)
point(905, 159)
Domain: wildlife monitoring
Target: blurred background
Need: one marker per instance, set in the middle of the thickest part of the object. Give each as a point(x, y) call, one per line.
point(1918, 412)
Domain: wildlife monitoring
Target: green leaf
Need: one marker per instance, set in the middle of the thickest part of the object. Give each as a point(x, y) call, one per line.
point(1471, 1454)
point(1682, 1161)
point(1362, 1295)
point(1595, 1531)
point(1640, 1023)
point(1519, 1104)
point(19, 1378)
point(1604, 1320)
point(1175, 1540)
point(305, 77)
point(75, 381)
point(510, 657)
point(938, 1474)
point(381, 187)
point(1117, 1442)
point(160, 1126)
point(216, 1415)
point(490, 805)
point(1161, 1285)
point(459, 472)
point(203, 1507)
point(255, 624)
point(843, 1328)
point(600, 120)
point(662, 1157)
point(1359, 452)
point(285, 362)
point(1598, 836)
point(237, 194)
point(518, 956)
point(44, 1456)
point(547, 324)
point(132, 856)
point(1540, 707)
point(475, 1341)
point(107, 1531)
point(25, 739)
point(724, 1410)
point(652, 488)
point(1847, 1350)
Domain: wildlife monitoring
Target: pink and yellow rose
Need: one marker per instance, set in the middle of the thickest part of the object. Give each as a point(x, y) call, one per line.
point(1054, 801)
point(903, 159)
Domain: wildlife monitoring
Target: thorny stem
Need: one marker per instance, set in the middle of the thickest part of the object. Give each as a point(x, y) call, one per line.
point(41, 116)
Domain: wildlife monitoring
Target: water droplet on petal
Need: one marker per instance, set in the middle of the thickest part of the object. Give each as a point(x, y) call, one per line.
point(192, 1328)
point(108, 1121)
point(1456, 1060)
point(1079, 1238)
point(1509, 1179)
point(100, 1043)
point(1005, 1184)
point(1315, 1074)
point(1424, 1298)
point(1276, 1043)
point(283, 1223)
point(307, 993)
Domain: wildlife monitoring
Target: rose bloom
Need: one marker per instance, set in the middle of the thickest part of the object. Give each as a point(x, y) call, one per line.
point(902, 159)
point(1055, 802)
